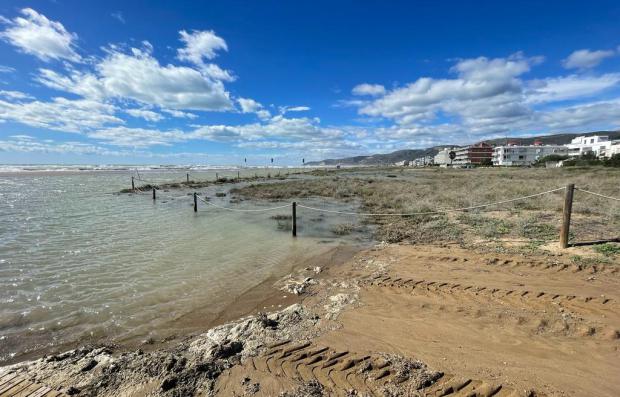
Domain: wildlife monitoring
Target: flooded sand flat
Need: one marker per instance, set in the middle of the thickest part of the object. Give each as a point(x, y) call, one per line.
point(78, 264)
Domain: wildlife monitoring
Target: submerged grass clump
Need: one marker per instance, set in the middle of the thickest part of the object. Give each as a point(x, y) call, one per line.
point(281, 217)
point(343, 229)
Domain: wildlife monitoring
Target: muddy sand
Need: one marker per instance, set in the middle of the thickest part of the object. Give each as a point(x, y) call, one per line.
point(394, 320)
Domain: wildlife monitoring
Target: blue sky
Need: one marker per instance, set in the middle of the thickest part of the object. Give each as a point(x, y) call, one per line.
point(182, 82)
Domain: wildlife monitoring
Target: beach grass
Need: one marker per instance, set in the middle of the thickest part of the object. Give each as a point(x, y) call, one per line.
point(426, 190)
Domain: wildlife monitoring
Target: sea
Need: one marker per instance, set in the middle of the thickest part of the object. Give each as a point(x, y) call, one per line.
point(81, 263)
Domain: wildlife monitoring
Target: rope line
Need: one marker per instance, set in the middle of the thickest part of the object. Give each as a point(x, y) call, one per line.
point(159, 192)
point(243, 210)
point(598, 194)
point(151, 182)
point(431, 212)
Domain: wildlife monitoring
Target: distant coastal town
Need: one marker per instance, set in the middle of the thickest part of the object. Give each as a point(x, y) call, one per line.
point(596, 148)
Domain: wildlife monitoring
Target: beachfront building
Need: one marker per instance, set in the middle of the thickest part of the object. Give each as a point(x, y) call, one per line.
point(442, 158)
point(614, 149)
point(523, 155)
point(423, 161)
point(596, 144)
point(477, 154)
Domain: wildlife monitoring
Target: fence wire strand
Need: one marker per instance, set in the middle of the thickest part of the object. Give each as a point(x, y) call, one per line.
point(147, 181)
point(431, 212)
point(241, 209)
point(598, 194)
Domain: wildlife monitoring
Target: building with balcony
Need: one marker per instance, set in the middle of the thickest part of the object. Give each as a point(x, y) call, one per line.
point(524, 155)
point(596, 144)
point(478, 154)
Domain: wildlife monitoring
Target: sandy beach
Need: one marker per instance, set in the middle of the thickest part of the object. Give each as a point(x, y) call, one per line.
point(476, 316)
point(395, 319)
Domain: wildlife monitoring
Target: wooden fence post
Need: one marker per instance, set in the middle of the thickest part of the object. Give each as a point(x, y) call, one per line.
point(568, 207)
point(154, 197)
point(217, 178)
point(294, 219)
point(187, 175)
point(195, 202)
point(133, 187)
point(238, 175)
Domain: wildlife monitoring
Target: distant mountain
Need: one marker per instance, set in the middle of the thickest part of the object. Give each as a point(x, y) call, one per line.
point(410, 154)
point(381, 159)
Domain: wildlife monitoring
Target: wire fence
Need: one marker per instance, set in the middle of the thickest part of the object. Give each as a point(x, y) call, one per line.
point(287, 205)
point(294, 204)
point(242, 173)
point(370, 214)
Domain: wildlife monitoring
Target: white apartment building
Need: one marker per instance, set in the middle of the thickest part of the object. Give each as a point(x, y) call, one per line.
point(613, 149)
point(423, 161)
point(596, 144)
point(520, 155)
point(443, 157)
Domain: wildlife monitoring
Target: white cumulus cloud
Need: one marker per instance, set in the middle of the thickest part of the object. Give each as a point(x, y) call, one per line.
point(141, 77)
point(368, 89)
point(249, 105)
point(570, 87)
point(585, 59)
point(485, 91)
point(137, 75)
point(35, 34)
point(145, 114)
point(60, 114)
point(201, 45)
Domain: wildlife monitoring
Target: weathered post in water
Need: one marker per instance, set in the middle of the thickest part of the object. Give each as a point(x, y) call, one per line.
point(187, 175)
point(238, 175)
point(133, 187)
point(195, 202)
point(294, 219)
point(217, 178)
point(568, 207)
point(154, 197)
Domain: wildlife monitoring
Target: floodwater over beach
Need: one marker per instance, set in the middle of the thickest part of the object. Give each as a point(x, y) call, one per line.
point(81, 263)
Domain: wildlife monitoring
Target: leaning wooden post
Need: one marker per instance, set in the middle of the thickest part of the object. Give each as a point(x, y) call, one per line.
point(294, 219)
point(154, 194)
point(133, 187)
point(195, 202)
point(568, 207)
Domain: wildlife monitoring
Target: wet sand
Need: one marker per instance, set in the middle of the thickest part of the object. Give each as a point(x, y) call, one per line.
point(391, 320)
point(266, 296)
